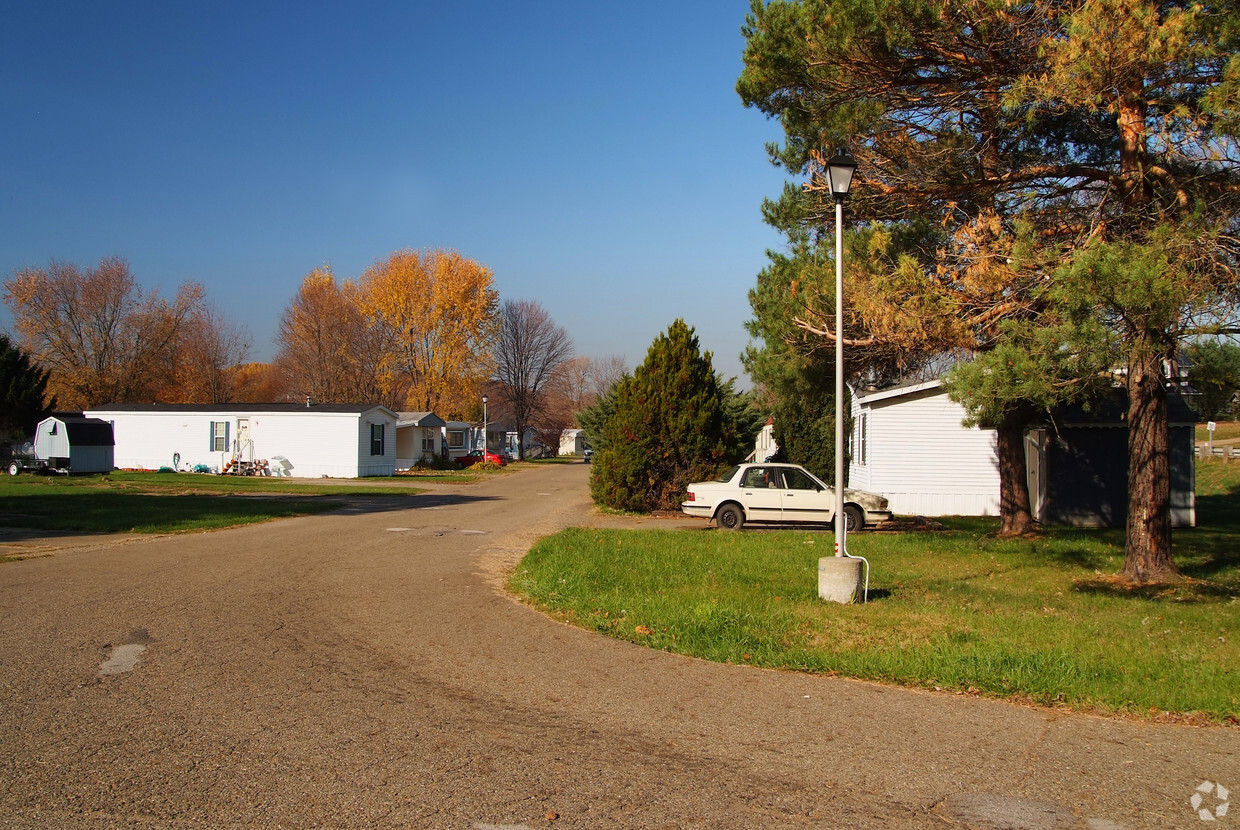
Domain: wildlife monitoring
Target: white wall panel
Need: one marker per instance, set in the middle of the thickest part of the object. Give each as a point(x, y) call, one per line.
point(922, 458)
point(315, 443)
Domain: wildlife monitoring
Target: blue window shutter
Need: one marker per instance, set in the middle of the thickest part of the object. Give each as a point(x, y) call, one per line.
point(226, 444)
point(210, 436)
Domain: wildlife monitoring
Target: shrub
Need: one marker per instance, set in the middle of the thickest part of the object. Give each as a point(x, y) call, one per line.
point(670, 427)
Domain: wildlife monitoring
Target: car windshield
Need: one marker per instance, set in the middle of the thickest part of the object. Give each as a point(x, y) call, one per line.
point(729, 475)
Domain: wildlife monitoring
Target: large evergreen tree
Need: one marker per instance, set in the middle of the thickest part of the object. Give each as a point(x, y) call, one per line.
point(670, 427)
point(944, 161)
point(1027, 134)
point(23, 393)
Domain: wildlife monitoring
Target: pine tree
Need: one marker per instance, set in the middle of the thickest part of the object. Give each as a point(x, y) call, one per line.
point(670, 427)
point(23, 393)
point(1017, 138)
point(1214, 372)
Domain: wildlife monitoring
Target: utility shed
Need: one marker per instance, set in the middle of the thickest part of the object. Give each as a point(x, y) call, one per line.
point(71, 441)
point(324, 440)
point(909, 443)
point(1078, 464)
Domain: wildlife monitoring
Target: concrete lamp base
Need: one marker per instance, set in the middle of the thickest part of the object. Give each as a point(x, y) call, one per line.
point(839, 579)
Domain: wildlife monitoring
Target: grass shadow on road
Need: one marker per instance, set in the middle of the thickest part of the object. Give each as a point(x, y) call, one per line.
point(82, 510)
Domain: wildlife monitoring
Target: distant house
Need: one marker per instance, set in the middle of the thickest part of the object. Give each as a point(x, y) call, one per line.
point(764, 447)
point(572, 442)
point(502, 438)
point(419, 437)
point(71, 441)
point(324, 440)
point(909, 444)
point(459, 437)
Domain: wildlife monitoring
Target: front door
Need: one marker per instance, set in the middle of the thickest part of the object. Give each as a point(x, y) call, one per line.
point(762, 490)
point(245, 450)
point(804, 500)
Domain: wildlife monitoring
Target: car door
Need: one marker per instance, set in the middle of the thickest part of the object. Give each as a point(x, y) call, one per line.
point(762, 494)
point(804, 500)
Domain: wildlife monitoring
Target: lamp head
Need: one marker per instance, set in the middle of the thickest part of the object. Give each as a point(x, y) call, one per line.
point(840, 169)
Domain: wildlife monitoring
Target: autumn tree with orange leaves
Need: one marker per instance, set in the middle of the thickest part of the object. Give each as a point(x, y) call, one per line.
point(435, 313)
point(259, 383)
point(102, 337)
point(414, 332)
point(210, 353)
point(322, 343)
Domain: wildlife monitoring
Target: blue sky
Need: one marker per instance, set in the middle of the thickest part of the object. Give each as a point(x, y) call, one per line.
point(595, 156)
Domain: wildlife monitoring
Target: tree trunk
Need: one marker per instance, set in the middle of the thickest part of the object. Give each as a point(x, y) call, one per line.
point(1015, 515)
point(1147, 549)
point(1134, 188)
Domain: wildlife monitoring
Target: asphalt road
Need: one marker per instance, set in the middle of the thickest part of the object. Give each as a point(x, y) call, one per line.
point(364, 669)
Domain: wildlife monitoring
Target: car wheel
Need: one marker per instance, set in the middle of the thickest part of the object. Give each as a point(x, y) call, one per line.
point(854, 519)
point(14, 468)
point(730, 517)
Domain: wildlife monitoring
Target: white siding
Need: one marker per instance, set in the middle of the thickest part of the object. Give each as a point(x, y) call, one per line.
point(375, 465)
point(764, 446)
point(410, 443)
point(51, 439)
point(572, 442)
point(322, 444)
point(923, 459)
point(315, 443)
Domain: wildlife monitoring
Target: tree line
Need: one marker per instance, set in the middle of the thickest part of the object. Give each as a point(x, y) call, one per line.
point(418, 330)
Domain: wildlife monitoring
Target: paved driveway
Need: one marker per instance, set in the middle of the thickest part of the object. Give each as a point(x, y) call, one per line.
point(362, 669)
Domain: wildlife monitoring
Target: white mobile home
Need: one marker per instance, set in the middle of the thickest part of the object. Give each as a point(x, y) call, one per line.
point(910, 444)
point(459, 437)
point(71, 441)
point(419, 437)
point(333, 440)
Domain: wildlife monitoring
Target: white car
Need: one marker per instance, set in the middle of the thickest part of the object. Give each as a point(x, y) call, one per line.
point(778, 493)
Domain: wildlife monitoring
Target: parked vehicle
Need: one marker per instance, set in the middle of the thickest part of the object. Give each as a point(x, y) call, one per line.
point(474, 456)
point(23, 459)
point(784, 493)
point(30, 464)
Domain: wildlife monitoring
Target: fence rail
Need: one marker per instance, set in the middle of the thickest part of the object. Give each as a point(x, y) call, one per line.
point(1227, 453)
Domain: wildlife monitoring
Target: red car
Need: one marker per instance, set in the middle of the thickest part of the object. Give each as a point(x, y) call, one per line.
point(474, 456)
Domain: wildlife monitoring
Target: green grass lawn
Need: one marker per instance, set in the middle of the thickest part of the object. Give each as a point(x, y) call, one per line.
point(1039, 620)
point(170, 502)
point(207, 483)
point(1224, 430)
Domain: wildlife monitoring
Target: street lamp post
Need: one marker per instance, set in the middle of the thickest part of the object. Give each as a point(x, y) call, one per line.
point(840, 169)
point(484, 427)
point(839, 577)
